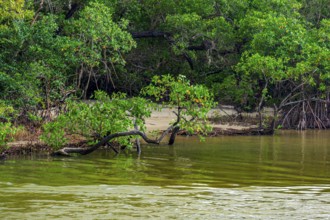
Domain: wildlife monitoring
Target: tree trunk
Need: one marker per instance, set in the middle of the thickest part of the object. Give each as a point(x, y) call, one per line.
point(173, 135)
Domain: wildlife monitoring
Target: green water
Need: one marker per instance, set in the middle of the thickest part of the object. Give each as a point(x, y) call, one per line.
point(286, 176)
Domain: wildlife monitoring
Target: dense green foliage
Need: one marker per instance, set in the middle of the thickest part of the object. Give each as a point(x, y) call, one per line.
point(106, 115)
point(6, 128)
point(250, 53)
point(111, 115)
point(191, 103)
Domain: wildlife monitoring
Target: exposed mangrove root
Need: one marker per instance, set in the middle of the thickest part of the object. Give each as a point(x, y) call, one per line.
point(307, 114)
point(304, 108)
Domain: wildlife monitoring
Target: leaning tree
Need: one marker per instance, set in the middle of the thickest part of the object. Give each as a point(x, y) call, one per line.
point(121, 119)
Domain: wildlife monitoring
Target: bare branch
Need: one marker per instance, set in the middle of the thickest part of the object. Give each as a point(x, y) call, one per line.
point(165, 133)
point(290, 95)
point(37, 12)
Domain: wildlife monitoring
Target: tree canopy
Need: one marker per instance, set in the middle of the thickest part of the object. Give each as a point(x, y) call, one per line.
point(249, 53)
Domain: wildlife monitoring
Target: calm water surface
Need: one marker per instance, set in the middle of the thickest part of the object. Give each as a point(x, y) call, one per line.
point(286, 176)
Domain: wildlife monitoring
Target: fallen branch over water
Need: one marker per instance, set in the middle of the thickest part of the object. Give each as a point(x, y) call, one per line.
point(83, 151)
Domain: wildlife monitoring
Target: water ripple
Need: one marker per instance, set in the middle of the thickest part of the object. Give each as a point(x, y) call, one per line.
point(170, 202)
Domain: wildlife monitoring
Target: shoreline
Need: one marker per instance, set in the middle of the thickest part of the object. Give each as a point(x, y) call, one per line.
point(159, 121)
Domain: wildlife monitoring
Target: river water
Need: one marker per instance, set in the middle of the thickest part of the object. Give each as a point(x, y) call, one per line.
point(285, 176)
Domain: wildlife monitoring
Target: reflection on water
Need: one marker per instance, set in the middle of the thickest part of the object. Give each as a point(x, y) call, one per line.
point(286, 176)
